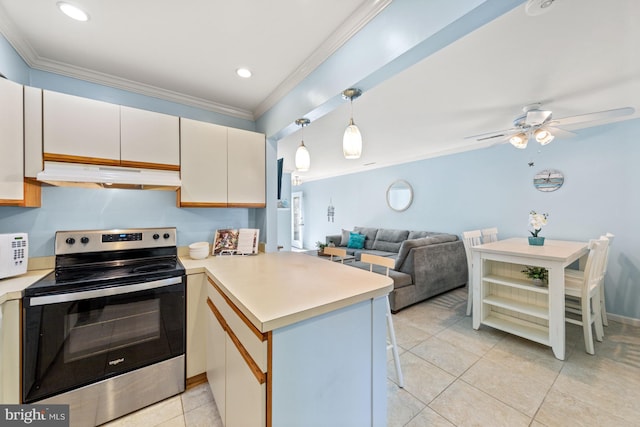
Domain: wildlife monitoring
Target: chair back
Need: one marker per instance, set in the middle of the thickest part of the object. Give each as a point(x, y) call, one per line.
point(471, 239)
point(332, 251)
point(490, 235)
point(594, 269)
point(610, 238)
point(382, 261)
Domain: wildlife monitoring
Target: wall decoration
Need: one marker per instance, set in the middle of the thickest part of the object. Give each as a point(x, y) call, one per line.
point(331, 211)
point(548, 180)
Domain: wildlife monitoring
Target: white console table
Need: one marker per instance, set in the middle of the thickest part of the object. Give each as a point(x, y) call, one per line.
point(505, 299)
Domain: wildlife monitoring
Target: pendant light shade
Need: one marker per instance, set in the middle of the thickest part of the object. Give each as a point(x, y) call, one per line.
point(352, 138)
point(303, 159)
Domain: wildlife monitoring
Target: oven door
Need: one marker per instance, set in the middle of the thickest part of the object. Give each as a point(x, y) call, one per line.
point(74, 339)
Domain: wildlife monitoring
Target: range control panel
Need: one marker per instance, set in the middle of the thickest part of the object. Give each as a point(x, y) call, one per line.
point(14, 254)
point(83, 241)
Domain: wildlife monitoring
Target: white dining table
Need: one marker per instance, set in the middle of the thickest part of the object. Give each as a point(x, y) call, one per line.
point(504, 298)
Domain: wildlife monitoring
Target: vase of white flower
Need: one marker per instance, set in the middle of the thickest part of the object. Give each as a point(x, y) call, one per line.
point(536, 221)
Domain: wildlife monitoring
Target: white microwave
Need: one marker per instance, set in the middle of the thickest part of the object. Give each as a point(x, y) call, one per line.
point(14, 254)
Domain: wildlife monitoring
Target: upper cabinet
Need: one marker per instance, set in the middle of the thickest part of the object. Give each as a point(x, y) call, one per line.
point(149, 139)
point(15, 189)
point(221, 167)
point(246, 168)
point(82, 130)
point(11, 141)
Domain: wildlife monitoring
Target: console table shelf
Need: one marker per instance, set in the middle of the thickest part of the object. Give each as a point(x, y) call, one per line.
point(524, 329)
point(515, 283)
point(539, 311)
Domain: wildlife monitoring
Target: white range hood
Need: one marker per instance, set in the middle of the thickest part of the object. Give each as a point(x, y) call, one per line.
point(94, 176)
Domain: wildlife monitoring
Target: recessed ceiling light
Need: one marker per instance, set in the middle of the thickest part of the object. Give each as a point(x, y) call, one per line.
point(245, 73)
point(73, 12)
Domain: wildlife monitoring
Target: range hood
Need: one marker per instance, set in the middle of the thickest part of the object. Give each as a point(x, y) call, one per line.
point(94, 176)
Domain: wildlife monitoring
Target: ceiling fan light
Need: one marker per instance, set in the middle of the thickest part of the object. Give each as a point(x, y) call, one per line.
point(303, 159)
point(352, 142)
point(543, 136)
point(519, 140)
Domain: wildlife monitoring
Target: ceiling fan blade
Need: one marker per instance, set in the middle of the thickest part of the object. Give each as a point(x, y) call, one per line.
point(537, 117)
point(494, 134)
point(560, 133)
point(599, 115)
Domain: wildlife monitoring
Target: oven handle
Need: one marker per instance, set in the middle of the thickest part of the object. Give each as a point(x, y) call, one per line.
point(106, 292)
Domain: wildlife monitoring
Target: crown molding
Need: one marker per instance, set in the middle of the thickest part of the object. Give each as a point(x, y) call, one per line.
point(367, 10)
point(348, 28)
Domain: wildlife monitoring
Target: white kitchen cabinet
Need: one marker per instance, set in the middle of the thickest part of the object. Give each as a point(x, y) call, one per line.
point(80, 130)
point(196, 325)
point(203, 153)
point(149, 140)
point(220, 166)
point(246, 168)
point(10, 352)
point(32, 131)
point(236, 363)
point(11, 141)
point(216, 361)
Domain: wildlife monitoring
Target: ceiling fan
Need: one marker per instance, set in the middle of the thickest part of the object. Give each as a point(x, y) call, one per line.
point(539, 125)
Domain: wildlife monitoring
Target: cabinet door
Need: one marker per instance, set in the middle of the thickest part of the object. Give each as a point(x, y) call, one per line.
point(246, 398)
point(216, 361)
point(196, 324)
point(32, 131)
point(11, 141)
point(246, 160)
point(10, 352)
point(203, 153)
point(149, 139)
point(80, 130)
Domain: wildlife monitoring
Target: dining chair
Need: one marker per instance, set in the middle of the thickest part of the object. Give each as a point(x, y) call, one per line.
point(489, 235)
point(332, 251)
point(580, 273)
point(471, 239)
point(391, 334)
point(587, 290)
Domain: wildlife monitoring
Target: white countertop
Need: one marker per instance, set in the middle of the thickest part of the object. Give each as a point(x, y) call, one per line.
point(281, 288)
point(12, 287)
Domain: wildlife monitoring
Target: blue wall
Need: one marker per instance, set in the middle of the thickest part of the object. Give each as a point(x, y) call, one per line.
point(81, 209)
point(493, 187)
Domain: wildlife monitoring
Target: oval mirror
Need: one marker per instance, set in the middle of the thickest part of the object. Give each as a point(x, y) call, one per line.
point(399, 195)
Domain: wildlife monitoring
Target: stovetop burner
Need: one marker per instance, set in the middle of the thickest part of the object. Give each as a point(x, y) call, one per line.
point(106, 258)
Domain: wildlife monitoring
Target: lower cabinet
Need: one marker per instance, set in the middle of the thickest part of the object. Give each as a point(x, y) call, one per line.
point(236, 364)
point(196, 324)
point(10, 352)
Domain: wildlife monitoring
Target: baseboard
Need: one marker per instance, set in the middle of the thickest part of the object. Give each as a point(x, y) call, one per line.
point(196, 380)
point(623, 319)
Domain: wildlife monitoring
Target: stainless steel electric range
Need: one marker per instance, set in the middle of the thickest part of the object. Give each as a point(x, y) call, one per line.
point(105, 332)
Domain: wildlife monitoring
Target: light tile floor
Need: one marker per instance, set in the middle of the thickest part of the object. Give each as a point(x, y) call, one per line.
point(456, 376)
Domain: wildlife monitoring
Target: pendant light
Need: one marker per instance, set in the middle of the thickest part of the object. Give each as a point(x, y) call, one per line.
point(303, 160)
point(352, 139)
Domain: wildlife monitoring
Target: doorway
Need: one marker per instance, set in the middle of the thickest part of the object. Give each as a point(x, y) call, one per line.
point(297, 221)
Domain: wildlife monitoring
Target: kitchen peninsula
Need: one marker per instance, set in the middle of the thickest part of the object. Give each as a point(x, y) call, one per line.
point(294, 340)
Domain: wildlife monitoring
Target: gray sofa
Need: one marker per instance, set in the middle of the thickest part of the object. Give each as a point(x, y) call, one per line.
point(427, 263)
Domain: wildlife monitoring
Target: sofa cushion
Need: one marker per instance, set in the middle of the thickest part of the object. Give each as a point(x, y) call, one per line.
point(421, 234)
point(389, 240)
point(407, 245)
point(370, 233)
point(344, 241)
point(356, 241)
